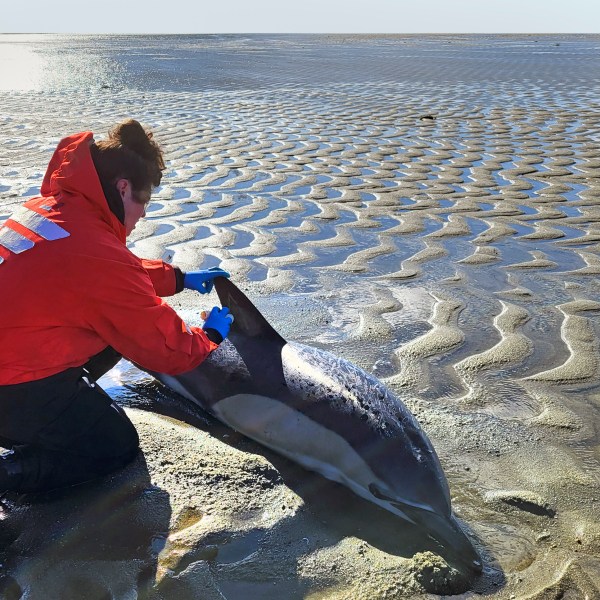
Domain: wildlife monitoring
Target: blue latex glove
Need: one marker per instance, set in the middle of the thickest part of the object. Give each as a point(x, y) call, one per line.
point(220, 320)
point(202, 281)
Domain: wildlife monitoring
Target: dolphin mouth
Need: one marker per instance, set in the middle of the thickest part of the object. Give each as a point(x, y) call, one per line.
point(446, 531)
point(443, 529)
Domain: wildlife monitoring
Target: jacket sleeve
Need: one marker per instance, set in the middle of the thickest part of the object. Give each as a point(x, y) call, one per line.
point(129, 316)
point(166, 279)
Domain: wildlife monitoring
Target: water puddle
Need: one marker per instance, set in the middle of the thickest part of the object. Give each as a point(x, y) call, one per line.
point(288, 240)
point(277, 187)
point(234, 174)
point(243, 239)
point(569, 211)
point(573, 233)
point(522, 229)
point(203, 174)
point(163, 229)
point(527, 210)
point(296, 218)
point(573, 193)
point(181, 193)
point(537, 186)
point(406, 201)
point(240, 546)
point(258, 272)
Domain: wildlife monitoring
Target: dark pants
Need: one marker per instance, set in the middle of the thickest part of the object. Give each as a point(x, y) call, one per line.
point(63, 430)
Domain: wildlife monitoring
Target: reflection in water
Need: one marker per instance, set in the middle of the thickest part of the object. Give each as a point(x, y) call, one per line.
point(41, 62)
point(21, 68)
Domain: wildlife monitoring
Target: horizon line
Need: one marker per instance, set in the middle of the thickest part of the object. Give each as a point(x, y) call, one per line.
point(528, 33)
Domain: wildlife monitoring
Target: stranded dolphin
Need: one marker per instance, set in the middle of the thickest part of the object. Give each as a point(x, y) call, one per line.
point(327, 415)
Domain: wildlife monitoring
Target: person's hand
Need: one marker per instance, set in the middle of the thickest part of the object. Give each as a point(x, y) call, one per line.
point(203, 281)
point(218, 321)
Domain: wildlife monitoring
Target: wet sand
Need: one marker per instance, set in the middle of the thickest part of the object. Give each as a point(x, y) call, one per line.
point(443, 234)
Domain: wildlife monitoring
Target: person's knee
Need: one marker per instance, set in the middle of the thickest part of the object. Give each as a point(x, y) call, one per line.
point(124, 435)
point(129, 455)
point(113, 463)
point(112, 438)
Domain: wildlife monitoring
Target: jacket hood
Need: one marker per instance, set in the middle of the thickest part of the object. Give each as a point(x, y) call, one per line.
point(71, 170)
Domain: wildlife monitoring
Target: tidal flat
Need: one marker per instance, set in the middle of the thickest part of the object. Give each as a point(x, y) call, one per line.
point(426, 207)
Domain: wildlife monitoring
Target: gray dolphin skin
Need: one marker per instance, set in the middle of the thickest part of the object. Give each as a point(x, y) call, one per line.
point(327, 415)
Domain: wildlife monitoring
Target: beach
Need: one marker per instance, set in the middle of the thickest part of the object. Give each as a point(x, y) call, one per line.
point(426, 207)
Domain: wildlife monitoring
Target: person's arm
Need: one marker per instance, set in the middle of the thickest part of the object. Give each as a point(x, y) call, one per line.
point(166, 279)
point(127, 314)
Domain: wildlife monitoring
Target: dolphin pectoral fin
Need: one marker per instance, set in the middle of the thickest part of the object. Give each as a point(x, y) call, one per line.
point(378, 493)
point(247, 319)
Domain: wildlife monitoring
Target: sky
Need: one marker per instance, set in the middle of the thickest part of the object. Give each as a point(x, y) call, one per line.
point(301, 16)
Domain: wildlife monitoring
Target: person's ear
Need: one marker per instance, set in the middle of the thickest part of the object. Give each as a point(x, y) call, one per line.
point(122, 185)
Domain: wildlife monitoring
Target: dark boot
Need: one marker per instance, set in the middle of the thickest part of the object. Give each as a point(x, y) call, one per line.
point(11, 471)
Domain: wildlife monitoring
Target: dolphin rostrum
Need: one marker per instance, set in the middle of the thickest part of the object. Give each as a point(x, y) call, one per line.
point(327, 415)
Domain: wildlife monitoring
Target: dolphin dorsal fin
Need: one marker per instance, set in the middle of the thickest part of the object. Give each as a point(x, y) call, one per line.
point(247, 319)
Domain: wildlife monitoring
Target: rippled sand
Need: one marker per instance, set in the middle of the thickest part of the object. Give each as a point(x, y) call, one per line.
point(444, 235)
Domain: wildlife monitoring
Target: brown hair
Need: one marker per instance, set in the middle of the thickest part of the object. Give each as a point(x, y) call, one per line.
point(130, 153)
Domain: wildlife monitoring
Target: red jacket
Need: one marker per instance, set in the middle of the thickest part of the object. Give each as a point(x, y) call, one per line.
point(69, 286)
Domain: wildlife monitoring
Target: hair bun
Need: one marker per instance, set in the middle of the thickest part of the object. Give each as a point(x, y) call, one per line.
point(130, 134)
point(130, 152)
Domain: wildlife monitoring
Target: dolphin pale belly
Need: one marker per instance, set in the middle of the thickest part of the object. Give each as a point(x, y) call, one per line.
point(327, 415)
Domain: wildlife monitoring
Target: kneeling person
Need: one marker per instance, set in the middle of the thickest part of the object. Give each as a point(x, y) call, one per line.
point(75, 300)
